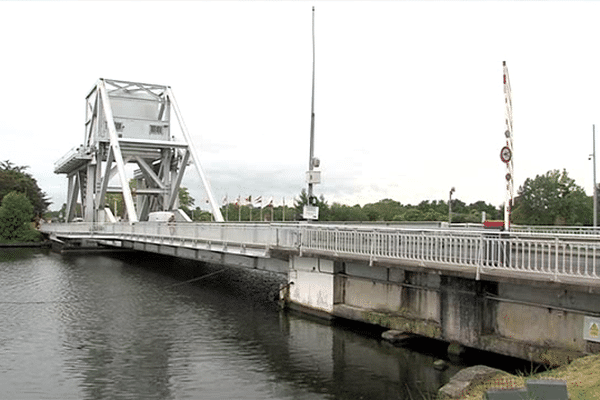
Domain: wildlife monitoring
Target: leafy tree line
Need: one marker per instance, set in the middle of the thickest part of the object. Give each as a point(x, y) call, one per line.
point(21, 202)
point(16, 214)
point(391, 210)
point(548, 199)
point(552, 198)
point(15, 179)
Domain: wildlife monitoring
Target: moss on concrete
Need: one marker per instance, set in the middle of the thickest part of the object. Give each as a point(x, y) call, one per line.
point(403, 323)
point(539, 352)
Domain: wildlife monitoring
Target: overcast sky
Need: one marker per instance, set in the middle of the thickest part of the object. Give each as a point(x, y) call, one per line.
point(409, 95)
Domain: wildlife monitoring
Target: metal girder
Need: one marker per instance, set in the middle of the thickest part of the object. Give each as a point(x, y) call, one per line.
point(114, 142)
point(175, 185)
point(72, 196)
point(130, 122)
point(102, 194)
point(147, 170)
point(215, 207)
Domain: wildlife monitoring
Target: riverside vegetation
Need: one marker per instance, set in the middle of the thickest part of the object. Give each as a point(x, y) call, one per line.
point(582, 377)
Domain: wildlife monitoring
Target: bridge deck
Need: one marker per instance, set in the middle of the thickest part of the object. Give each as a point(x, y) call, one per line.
point(570, 257)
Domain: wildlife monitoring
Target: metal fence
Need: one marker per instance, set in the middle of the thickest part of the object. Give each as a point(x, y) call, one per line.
point(500, 251)
point(551, 256)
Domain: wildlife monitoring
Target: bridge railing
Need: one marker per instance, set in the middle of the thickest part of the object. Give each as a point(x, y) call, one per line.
point(550, 256)
point(556, 230)
point(495, 251)
point(263, 235)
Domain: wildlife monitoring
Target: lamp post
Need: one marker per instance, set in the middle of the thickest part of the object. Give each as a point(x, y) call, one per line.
point(450, 206)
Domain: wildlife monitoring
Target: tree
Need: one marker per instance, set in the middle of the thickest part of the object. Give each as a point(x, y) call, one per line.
point(342, 212)
point(302, 200)
point(383, 210)
point(552, 199)
point(14, 178)
point(16, 213)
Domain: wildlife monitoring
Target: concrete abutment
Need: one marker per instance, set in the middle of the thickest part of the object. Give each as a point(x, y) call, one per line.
point(541, 323)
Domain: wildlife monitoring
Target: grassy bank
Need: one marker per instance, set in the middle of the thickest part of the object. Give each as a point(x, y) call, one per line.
point(582, 376)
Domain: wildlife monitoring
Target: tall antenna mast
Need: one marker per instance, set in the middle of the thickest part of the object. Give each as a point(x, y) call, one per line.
point(311, 211)
point(506, 154)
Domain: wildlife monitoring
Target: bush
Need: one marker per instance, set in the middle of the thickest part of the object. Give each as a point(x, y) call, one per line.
point(16, 214)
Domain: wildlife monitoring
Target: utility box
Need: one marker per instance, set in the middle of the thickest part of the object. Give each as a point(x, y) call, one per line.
point(313, 177)
point(506, 394)
point(535, 390)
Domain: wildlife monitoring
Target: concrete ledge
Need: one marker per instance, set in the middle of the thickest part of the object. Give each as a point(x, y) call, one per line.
point(528, 351)
point(394, 321)
point(291, 305)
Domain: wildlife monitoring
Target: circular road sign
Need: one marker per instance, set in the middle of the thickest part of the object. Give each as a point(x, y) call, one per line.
point(505, 154)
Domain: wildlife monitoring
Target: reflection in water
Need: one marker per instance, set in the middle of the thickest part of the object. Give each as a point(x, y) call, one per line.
point(97, 327)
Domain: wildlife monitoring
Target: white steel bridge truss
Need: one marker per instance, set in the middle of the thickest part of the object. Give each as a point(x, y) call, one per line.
point(129, 122)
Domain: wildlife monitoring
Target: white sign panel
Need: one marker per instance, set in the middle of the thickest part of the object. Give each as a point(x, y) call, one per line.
point(310, 212)
point(591, 329)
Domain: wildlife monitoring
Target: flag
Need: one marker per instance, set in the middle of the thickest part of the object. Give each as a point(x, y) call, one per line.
point(224, 201)
point(269, 203)
point(247, 201)
point(258, 201)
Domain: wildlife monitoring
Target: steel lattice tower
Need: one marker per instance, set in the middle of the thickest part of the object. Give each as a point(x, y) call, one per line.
point(130, 123)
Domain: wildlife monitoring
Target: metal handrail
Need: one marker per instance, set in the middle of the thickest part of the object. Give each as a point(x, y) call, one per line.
point(550, 256)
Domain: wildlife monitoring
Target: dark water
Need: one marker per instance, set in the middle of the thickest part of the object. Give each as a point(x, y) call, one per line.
point(90, 326)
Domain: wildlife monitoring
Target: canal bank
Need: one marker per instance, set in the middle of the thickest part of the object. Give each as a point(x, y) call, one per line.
point(582, 377)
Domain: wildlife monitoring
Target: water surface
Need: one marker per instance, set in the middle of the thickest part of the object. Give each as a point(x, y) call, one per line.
point(127, 326)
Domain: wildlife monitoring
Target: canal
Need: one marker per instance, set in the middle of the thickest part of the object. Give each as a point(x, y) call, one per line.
point(138, 326)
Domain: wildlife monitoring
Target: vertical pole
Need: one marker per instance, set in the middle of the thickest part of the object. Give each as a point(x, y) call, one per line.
point(283, 218)
point(595, 188)
point(312, 114)
point(509, 143)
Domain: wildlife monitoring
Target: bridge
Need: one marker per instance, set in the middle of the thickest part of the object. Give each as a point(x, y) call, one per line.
point(532, 293)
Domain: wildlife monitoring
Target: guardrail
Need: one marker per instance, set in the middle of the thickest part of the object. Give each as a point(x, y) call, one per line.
point(550, 256)
point(554, 257)
point(555, 230)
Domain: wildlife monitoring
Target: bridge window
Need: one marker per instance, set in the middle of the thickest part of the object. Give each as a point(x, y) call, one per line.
point(156, 130)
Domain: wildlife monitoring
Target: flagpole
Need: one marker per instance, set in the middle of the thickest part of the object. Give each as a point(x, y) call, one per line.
point(261, 214)
point(283, 220)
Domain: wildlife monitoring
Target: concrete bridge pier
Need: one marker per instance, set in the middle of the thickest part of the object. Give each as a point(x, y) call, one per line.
point(312, 285)
point(539, 322)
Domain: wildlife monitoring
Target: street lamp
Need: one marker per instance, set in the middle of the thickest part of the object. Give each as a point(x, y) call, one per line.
point(450, 205)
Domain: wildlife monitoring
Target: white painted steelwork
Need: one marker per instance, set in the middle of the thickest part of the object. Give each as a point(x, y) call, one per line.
point(130, 122)
point(546, 258)
point(508, 156)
